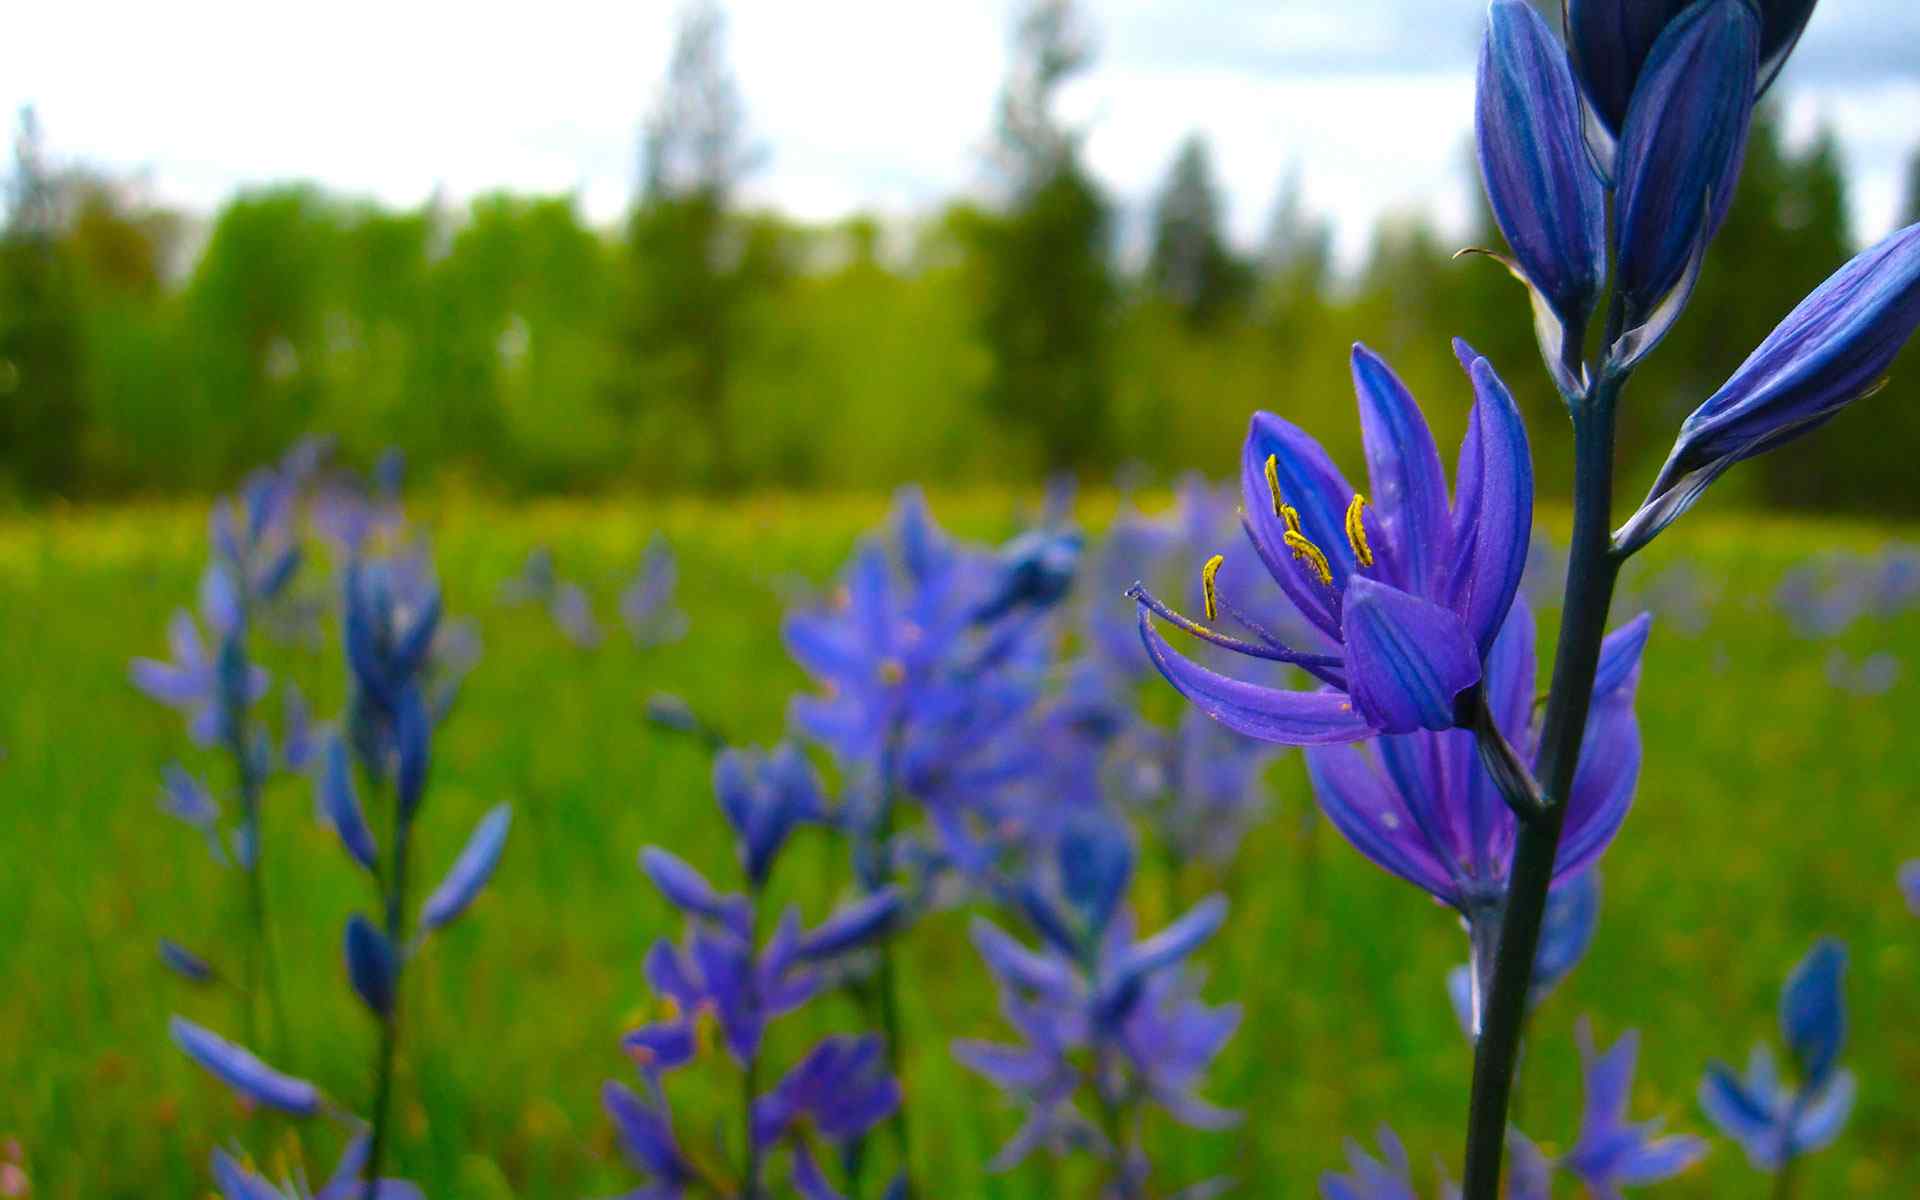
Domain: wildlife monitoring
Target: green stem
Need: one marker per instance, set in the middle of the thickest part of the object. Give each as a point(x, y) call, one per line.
point(396, 897)
point(888, 983)
point(1783, 1181)
point(1591, 572)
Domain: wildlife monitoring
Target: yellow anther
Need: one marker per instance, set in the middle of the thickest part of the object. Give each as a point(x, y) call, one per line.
point(1357, 531)
point(1207, 572)
point(1308, 553)
point(892, 672)
point(1286, 512)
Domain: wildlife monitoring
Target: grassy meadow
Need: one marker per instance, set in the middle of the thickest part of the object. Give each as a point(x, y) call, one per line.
point(1773, 808)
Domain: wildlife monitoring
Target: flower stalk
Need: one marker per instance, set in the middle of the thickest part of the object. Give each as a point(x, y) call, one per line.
point(1593, 567)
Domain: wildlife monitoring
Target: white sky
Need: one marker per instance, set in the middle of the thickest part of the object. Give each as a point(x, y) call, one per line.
point(858, 104)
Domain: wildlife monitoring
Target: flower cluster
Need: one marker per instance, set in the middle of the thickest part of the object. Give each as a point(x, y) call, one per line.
point(729, 970)
point(1774, 1123)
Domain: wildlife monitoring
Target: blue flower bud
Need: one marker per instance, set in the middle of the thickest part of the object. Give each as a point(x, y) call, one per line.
point(241, 1071)
point(852, 927)
point(1680, 154)
point(1832, 349)
point(1812, 1011)
point(413, 734)
point(185, 963)
point(341, 804)
point(1541, 184)
point(370, 965)
point(470, 871)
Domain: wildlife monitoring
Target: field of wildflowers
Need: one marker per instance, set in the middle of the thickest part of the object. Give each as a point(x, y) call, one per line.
point(983, 895)
point(1774, 709)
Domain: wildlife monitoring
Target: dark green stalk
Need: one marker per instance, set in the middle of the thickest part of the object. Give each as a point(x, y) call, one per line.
point(395, 887)
point(1591, 572)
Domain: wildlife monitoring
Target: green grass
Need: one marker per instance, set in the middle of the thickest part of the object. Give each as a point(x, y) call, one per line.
point(1772, 810)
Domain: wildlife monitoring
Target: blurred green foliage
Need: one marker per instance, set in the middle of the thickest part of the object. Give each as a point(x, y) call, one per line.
point(706, 346)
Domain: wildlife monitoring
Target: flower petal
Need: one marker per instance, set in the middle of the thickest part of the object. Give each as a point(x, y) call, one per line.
point(1312, 485)
point(1813, 1011)
point(1269, 714)
point(1407, 658)
point(1409, 485)
point(1504, 525)
point(1369, 812)
point(1681, 147)
point(1539, 178)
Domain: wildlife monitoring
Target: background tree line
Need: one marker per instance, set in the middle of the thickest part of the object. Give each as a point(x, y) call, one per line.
point(707, 345)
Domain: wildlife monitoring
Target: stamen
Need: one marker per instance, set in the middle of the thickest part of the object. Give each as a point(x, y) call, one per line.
point(1308, 553)
point(1286, 512)
point(1357, 532)
point(1207, 572)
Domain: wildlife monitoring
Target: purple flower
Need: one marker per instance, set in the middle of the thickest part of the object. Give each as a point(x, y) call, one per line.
point(1910, 884)
point(1423, 807)
point(646, 604)
point(1611, 39)
point(1410, 592)
point(185, 963)
point(238, 1181)
point(210, 688)
point(1611, 1151)
point(841, 1086)
point(1125, 1002)
point(1775, 1123)
point(1540, 182)
point(470, 871)
point(646, 1136)
point(573, 613)
point(1390, 1177)
point(371, 966)
point(535, 582)
point(1831, 350)
point(245, 1074)
point(764, 797)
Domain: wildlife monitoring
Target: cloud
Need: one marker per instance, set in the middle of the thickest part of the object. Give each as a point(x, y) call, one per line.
point(858, 104)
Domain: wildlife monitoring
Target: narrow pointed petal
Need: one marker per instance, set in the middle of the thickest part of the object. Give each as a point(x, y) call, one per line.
point(341, 804)
point(241, 1071)
point(1603, 784)
point(1310, 483)
point(1620, 654)
point(1681, 147)
point(1369, 813)
point(371, 966)
point(852, 927)
point(1407, 658)
point(1832, 349)
point(1409, 485)
point(1735, 1110)
point(1813, 1013)
point(470, 871)
point(1269, 714)
point(689, 891)
point(1824, 1114)
point(1539, 178)
point(1505, 508)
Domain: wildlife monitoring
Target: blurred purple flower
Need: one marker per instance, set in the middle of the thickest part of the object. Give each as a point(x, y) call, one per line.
point(246, 1075)
point(1611, 1151)
point(238, 1181)
point(1774, 1123)
point(211, 688)
point(765, 797)
point(841, 1087)
point(1910, 884)
point(573, 614)
point(1566, 931)
point(646, 604)
point(1410, 593)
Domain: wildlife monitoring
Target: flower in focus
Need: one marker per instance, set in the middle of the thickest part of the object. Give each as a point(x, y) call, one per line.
point(1424, 807)
point(1834, 348)
point(1408, 592)
point(1611, 1151)
point(1775, 1123)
